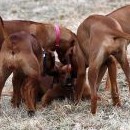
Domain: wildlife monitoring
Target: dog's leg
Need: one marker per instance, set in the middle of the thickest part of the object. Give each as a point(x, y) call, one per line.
point(95, 64)
point(101, 74)
point(112, 74)
point(4, 74)
point(86, 92)
point(122, 59)
point(31, 68)
point(17, 83)
point(81, 74)
point(92, 77)
point(79, 87)
point(108, 83)
point(54, 93)
point(29, 93)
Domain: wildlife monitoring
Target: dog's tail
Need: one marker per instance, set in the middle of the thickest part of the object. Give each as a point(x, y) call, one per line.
point(5, 35)
point(120, 34)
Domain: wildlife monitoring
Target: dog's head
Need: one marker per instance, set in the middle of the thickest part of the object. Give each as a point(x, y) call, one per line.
point(66, 72)
point(48, 60)
point(64, 78)
point(49, 63)
point(60, 72)
point(68, 40)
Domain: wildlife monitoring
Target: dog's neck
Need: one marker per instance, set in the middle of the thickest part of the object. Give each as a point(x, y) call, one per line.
point(57, 35)
point(53, 36)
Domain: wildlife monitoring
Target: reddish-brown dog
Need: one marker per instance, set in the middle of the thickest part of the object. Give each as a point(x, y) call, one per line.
point(21, 54)
point(122, 16)
point(100, 37)
point(54, 86)
point(60, 87)
point(46, 34)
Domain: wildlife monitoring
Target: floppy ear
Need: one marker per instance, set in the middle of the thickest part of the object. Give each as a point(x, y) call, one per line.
point(66, 68)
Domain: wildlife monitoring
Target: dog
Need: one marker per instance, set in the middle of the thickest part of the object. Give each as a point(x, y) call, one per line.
point(98, 50)
point(122, 16)
point(60, 87)
point(51, 37)
point(21, 54)
point(53, 83)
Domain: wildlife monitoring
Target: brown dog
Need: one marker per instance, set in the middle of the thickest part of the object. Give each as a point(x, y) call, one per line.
point(50, 37)
point(59, 87)
point(21, 54)
point(122, 16)
point(99, 37)
point(53, 82)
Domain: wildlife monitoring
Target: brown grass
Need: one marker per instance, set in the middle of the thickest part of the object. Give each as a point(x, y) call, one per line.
point(63, 115)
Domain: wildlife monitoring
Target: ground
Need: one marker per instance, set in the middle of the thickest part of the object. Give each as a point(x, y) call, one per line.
point(63, 115)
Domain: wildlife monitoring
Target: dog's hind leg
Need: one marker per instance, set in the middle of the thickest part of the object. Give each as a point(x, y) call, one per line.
point(95, 63)
point(29, 94)
point(4, 74)
point(101, 74)
point(112, 70)
point(93, 72)
point(122, 59)
point(102, 71)
point(17, 81)
point(31, 68)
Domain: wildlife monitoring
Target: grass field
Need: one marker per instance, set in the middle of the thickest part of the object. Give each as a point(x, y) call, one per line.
point(63, 115)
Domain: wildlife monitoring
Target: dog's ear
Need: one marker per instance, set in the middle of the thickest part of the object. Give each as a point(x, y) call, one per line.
point(66, 68)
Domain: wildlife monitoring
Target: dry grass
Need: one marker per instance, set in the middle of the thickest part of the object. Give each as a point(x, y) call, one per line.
point(63, 115)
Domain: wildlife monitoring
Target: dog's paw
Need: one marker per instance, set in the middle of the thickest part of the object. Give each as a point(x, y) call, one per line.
point(31, 113)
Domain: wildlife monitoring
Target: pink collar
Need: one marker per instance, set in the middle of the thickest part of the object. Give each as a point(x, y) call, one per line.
point(57, 32)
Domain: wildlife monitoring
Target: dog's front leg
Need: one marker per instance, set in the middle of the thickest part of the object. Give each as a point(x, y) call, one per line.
point(79, 87)
point(53, 93)
point(79, 66)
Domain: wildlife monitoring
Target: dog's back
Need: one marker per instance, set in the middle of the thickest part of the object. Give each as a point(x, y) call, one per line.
point(122, 15)
point(17, 47)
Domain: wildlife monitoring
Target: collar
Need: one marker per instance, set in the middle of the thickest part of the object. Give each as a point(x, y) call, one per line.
point(57, 32)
